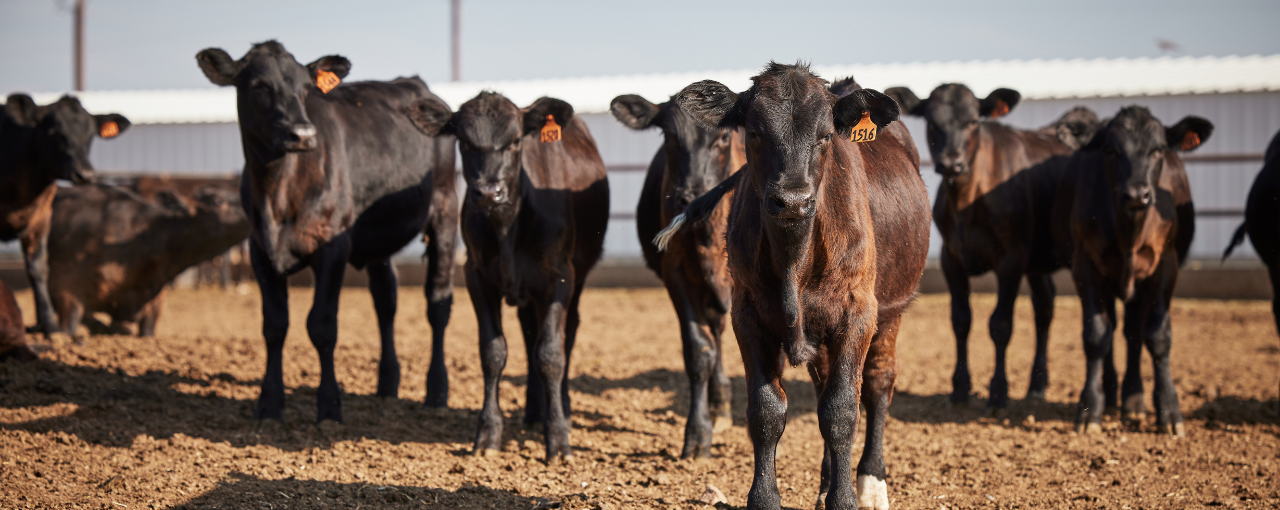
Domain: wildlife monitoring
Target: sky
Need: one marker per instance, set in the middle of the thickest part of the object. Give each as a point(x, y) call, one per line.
point(151, 44)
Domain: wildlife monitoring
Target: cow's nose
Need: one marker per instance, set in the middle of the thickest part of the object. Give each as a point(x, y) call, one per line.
point(1137, 197)
point(791, 204)
point(492, 194)
point(302, 137)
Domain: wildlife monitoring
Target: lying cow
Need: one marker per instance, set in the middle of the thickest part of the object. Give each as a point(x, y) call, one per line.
point(534, 218)
point(39, 145)
point(992, 209)
point(1124, 220)
point(691, 161)
point(13, 339)
point(219, 268)
point(113, 252)
point(827, 241)
point(336, 174)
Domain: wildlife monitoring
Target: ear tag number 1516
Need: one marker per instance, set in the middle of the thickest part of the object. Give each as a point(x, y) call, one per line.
point(865, 131)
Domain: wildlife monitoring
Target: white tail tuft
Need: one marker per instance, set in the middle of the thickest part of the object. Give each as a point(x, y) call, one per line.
point(664, 238)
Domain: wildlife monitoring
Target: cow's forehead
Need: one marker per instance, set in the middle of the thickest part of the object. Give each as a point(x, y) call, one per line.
point(685, 128)
point(794, 114)
point(952, 102)
point(488, 120)
point(1136, 128)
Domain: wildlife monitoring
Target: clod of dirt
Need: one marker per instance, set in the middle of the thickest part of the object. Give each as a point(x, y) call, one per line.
point(712, 496)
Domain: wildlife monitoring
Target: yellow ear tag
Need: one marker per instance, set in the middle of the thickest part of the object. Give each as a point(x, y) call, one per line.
point(110, 129)
point(326, 80)
point(1190, 141)
point(865, 131)
point(551, 131)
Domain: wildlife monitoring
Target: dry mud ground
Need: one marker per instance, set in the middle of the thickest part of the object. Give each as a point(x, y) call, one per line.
point(167, 422)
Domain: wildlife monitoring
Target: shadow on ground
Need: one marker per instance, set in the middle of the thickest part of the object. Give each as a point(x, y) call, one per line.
point(245, 491)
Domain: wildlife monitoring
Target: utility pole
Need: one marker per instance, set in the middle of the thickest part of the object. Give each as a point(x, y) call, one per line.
point(79, 44)
point(456, 32)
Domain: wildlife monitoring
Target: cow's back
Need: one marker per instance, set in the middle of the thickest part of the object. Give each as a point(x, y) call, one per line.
point(899, 205)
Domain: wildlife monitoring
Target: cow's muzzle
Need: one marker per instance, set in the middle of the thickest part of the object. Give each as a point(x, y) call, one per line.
point(299, 137)
point(791, 205)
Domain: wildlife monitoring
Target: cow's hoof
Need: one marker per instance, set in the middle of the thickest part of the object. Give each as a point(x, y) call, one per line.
point(533, 426)
point(872, 493)
point(1175, 429)
point(559, 459)
point(485, 452)
point(1089, 428)
point(722, 423)
point(1036, 395)
point(1134, 418)
point(997, 412)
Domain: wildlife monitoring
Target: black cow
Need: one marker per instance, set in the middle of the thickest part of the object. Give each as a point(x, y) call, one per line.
point(992, 209)
point(1124, 219)
point(1262, 221)
point(39, 145)
point(533, 220)
point(691, 161)
point(331, 178)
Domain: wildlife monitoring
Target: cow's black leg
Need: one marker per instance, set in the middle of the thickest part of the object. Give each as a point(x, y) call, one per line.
point(838, 412)
point(551, 363)
point(766, 408)
point(1131, 394)
point(275, 325)
point(1000, 326)
point(1158, 336)
point(382, 286)
point(1097, 336)
point(1110, 378)
point(1273, 270)
point(328, 264)
point(1042, 294)
point(720, 390)
point(35, 255)
point(534, 401)
point(699, 362)
point(572, 320)
point(819, 373)
point(880, 373)
point(442, 233)
point(487, 301)
point(961, 321)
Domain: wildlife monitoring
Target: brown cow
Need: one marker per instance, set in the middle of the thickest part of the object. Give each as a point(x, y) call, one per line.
point(992, 209)
point(827, 242)
point(1125, 221)
point(533, 220)
point(113, 252)
point(39, 145)
point(13, 342)
point(219, 268)
point(691, 161)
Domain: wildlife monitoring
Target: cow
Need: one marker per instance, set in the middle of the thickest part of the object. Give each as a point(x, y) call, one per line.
point(1123, 219)
point(691, 161)
point(826, 243)
point(38, 146)
point(992, 209)
point(337, 174)
point(13, 338)
point(220, 267)
point(112, 251)
point(1262, 221)
point(533, 221)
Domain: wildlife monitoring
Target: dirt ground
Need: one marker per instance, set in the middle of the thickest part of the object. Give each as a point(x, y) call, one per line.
point(122, 422)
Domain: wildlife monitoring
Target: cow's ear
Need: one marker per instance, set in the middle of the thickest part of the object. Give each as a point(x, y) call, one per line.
point(111, 125)
point(22, 109)
point(907, 101)
point(218, 66)
point(535, 116)
point(999, 103)
point(712, 104)
point(335, 64)
point(431, 115)
point(848, 111)
point(634, 111)
point(1188, 133)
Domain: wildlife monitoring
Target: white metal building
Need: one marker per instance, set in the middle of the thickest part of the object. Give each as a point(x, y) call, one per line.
point(195, 132)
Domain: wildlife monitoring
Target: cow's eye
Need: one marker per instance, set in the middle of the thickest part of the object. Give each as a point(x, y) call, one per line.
point(825, 138)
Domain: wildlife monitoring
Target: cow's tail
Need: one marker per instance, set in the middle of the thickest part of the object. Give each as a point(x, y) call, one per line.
point(698, 210)
point(1236, 239)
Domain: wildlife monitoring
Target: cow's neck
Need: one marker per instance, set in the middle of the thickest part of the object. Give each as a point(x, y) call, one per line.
point(965, 189)
point(505, 224)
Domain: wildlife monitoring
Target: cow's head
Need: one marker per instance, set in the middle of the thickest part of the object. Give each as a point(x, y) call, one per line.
point(62, 133)
point(697, 156)
point(952, 115)
point(792, 125)
point(491, 131)
point(1132, 149)
point(271, 90)
point(218, 208)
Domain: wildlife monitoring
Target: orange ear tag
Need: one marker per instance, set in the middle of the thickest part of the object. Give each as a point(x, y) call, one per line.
point(865, 131)
point(1000, 110)
point(326, 80)
point(1190, 141)
point(110, 129)
point(551, 131)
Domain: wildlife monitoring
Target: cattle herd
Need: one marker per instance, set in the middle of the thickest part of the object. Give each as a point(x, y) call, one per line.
point(795, 207)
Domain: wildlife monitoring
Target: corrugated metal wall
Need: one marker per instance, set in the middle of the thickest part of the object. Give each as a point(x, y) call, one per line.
point(1244, 123)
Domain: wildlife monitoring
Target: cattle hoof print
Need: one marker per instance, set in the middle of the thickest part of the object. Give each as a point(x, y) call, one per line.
point(1176, 430)
point(1089, 428)
point(872, 493)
